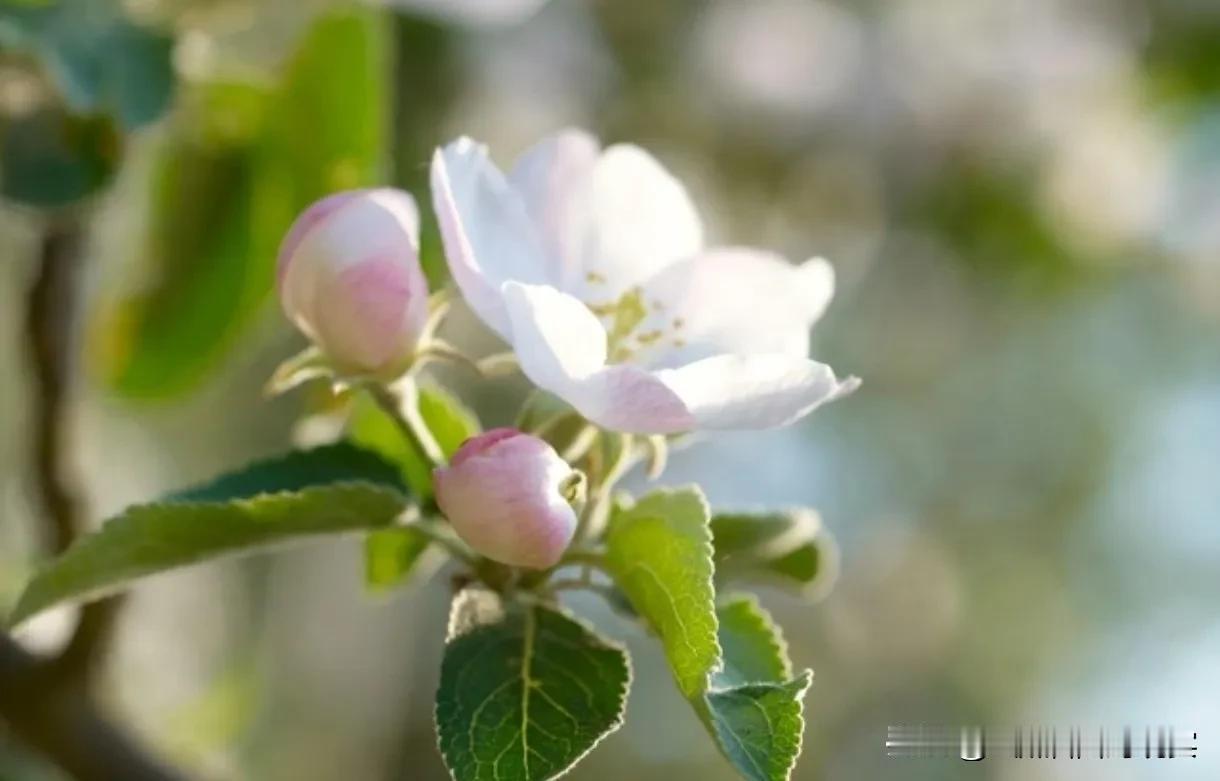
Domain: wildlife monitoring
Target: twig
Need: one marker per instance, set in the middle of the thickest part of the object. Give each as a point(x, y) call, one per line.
point(50, 317)
point(404, 411)
point(60, 721)
point(51, 333)
point(441, 535)
point(45, 702)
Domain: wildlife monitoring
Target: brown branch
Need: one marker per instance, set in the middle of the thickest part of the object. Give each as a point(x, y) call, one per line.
point(58, 720)
point(51, 334)
point(46, 703)
point(50, 325)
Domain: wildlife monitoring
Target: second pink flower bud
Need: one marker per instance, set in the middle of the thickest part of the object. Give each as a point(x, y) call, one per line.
point(509, 496)
point(350, 280)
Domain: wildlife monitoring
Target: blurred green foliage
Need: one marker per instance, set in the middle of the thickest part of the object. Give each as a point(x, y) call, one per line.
point(100, 61)
point(450, 421)
point(1038, 407)
point(237, 166)
point(51, 158)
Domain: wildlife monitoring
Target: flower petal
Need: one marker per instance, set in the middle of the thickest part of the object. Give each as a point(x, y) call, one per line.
point(754, 391)
point(734, 300)
point(556, 338)
point(633, 400)
point(640, 221)
point(562, 348)
point(552, 178)
point(488, 236)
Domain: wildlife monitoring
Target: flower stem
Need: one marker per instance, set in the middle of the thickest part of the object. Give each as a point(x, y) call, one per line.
point(440, 535)
point(588, 556)
point(603, 478)
point(48, 702)
point(404, 411)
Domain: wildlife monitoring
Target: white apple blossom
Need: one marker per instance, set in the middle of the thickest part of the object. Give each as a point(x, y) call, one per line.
point(591, 264)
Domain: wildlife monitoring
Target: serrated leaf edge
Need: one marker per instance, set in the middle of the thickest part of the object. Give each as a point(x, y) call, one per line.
point(710, 551)
point(775, 631)
point(607, 642)
point(18, 614)
point(807, 676)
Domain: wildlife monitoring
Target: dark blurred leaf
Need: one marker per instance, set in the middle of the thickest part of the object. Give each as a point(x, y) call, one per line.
point(525, 690)
point(1181, 59)
point(449, 420)
point(202, 285)
point(50, 159)
point(790, 549)
point(296, 471)
point(242, 163)
point(323, 491)
point(991, 217)
point(99, 60)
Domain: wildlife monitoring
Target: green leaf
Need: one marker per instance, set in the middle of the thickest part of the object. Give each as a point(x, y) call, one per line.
point(730, 663)
point(790, 549)
point(330, 489)
point(754, 710)
point(100, 61)
point(50, 159)
point(759, 726)
point(391, 556)
point(659, 552)
point(526, 691)
point(450, 421)
point(328, 129)
point(752, 645)
point(240, 165)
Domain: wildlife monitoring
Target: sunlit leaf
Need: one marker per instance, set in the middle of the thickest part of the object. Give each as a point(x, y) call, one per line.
point(659, 552)
point(525, 690)
point(730, 662)
point(331, 489)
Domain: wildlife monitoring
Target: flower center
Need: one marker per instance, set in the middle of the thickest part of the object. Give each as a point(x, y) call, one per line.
point(637, 329)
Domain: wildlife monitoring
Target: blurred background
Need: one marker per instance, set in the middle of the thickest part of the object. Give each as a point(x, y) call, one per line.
point(1021, 199)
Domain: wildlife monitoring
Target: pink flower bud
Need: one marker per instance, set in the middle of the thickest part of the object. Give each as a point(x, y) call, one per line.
point(508, 495)
point(350, 279)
